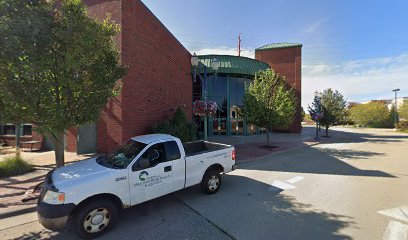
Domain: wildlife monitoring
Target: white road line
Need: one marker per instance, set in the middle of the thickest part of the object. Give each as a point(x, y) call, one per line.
point(295, 179)
point(281, 185)
point(396, 231)
point(400, 213)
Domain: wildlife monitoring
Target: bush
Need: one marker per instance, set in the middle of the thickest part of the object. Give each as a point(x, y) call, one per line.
point(373, 114)
point(178, 126)
point(403, 110)
point(403, 126)
point(14, 166)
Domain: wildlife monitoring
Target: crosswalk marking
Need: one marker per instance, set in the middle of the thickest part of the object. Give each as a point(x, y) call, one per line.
point(396, 231)
point(295, 179)
point(281, 185)
point(400, 213)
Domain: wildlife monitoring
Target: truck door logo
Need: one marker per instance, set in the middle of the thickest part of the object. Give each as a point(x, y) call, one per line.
point(142, 175)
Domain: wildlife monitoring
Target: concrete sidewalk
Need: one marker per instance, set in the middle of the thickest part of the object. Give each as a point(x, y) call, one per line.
point(13, 189)
point(248, 148)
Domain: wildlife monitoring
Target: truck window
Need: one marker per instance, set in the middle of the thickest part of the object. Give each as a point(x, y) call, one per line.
point(172, 150)
point(123, 156)
point(155, 154)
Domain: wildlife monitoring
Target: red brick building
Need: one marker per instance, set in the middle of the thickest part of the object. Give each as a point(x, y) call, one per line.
point(159, 78)
point(286, 59)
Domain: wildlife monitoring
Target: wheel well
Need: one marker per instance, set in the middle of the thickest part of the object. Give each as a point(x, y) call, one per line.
point(217, 167)
point(115, 199)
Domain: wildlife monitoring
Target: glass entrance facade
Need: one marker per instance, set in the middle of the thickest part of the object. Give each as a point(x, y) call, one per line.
point(228, 93)
point(227, 89)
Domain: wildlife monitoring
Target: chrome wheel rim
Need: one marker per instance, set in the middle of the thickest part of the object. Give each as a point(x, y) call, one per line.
point(213, 183)
point(96, 220)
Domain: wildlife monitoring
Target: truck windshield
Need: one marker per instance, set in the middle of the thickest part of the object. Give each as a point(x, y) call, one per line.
point(122, 157)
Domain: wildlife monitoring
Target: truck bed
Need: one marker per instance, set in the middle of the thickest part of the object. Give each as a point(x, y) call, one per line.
point(199, 147)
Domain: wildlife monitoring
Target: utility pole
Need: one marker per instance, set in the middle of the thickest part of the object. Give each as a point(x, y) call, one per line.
point(396, 106)
point(239, 44)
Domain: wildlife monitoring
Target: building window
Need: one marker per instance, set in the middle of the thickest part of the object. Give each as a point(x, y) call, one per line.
point(9, 129)
point(27, 130)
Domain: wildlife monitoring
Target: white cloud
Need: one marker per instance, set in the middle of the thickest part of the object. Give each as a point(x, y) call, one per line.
point(358, 80)
point(315, 26)
point(224, 51)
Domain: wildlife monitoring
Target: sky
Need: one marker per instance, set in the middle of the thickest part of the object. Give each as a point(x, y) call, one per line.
point(357, 47)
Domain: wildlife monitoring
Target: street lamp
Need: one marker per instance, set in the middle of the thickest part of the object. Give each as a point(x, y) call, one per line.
point(317, 116)
point(215, 64)
point(396, 106)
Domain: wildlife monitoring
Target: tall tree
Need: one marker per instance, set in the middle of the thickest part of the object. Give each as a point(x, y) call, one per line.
point(403, 110)
point(12, 112)
point(62, 67)
point(331, 104)
point(316, 108)
point(373, 114)
point(269, 102)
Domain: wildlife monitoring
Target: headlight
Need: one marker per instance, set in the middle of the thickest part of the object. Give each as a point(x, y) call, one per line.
point(53, 197)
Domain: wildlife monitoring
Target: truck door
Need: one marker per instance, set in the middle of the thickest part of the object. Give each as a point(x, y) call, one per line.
point(154, 179)
point(178, 162)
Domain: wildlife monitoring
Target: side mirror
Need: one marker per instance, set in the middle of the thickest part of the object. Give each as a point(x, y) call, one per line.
point(143, 163)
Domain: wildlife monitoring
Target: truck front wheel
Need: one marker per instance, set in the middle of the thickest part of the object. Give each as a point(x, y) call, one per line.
point(95, 218)
point(211, 182)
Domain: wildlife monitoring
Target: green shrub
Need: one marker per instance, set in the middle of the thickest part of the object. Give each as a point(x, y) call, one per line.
point(178, 126)
point(13, 166)
point(403, 126)
point(373, 114)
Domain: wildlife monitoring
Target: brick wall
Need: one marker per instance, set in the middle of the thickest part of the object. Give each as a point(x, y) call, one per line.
point(71, 140)
point(109, 126)
point(158, 79)
point(10, 140)
point(287, 62)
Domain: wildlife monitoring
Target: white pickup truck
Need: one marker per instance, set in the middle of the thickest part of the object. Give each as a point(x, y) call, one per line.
point(90, 192)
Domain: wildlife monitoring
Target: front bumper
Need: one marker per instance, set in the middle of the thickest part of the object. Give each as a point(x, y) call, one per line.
point(54, 217)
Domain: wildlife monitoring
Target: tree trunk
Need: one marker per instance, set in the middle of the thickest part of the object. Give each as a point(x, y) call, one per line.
point(58, 141)
point(267, 137)
point(327, 131)
point(18, 134)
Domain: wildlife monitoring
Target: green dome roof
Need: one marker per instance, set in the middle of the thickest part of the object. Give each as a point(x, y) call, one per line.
point(232, 65)
point(278, 45)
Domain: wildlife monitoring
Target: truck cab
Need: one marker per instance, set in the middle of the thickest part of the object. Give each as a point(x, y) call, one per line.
point(90, 192)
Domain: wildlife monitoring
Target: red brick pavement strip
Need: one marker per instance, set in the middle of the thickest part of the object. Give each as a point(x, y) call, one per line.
point(249, 152)
point(13, 189)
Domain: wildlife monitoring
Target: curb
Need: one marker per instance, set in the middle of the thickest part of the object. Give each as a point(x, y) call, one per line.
point(15, 212)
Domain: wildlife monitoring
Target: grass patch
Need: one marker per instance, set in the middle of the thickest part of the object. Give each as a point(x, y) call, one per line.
point(13, 166)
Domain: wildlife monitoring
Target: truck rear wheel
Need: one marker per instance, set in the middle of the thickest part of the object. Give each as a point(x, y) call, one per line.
point(95, 218)
point(211, 182)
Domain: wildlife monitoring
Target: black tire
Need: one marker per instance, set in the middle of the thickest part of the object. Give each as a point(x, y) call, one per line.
point(211, 182)
point(95, 218)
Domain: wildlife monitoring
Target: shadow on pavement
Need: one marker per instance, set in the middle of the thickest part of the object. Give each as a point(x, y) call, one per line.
point(318, 161)
point(345, 136)
point(243, 208)
point(349, 154)
point(249, 209)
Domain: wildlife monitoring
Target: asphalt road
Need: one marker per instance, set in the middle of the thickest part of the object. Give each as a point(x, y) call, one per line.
point(353, 187)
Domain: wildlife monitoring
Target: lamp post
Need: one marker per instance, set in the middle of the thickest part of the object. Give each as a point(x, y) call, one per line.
point(396, 106)
point(215, 64)
point(317, 116)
